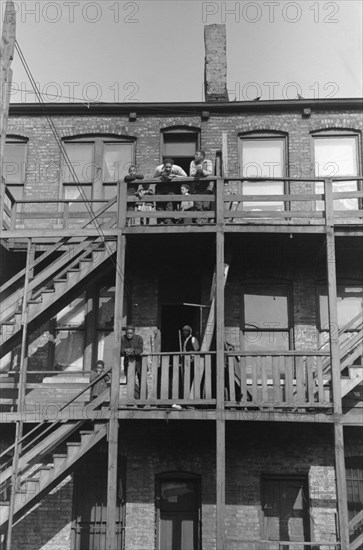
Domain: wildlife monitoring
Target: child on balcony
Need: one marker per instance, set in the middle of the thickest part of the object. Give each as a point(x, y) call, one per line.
point(102, 384)
point(185, 205)
point(144, 190)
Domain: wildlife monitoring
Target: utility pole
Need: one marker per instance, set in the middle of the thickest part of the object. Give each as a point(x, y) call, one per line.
point(7, 45)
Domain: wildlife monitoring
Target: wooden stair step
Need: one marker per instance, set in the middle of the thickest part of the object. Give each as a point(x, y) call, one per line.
point(58, 459)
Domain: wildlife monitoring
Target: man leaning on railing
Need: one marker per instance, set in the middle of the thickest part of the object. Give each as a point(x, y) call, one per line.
point(132, 347)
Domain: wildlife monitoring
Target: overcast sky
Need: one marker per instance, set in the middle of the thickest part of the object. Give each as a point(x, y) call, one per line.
point(153, 50)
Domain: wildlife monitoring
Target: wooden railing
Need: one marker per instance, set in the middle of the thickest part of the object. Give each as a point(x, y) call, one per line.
point(278, 379)
point(234, 544)
point(8, 206)
point(356, 531)
point(62, 213)
point(298, 207)
point(252, 379)
point(181, 379)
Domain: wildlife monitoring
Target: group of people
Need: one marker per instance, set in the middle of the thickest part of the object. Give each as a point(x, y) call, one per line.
point(132, 347)
point(166, 176)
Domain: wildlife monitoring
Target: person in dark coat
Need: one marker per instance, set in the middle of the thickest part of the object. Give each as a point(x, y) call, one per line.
point(132, 347)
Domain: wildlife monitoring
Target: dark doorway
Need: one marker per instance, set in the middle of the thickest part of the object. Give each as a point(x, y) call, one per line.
point(90, 504)
point(173, 318)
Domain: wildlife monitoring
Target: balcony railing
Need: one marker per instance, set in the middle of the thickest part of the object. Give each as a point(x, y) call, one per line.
point(285, 380)
point(278, 380)
point(229, 204)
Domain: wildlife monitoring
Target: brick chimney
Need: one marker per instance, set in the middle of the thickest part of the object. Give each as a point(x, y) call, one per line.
point(215, 68)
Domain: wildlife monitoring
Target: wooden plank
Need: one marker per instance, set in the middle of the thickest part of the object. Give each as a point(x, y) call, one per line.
point(310, 379)
point(264, 379)
point(273, 214)
point(341, 483)
point(243, 378)
point(197, 376)
point(187, 377)
point(289, 380)
point(320, 380)
point(254, 389)
point(131, 381)
point(300, 380)
point(301, 197)
point(176, 373)
point(155, 376)
point(224, 154)
point(208, 376)
point(276, 379)
point(231, 379)
point(164, 393)
point(143, 381)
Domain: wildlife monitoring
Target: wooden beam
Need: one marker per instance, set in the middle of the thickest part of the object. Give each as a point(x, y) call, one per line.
point(113, 425)
point(341, 484)
point(224, 154)
point(220, 344)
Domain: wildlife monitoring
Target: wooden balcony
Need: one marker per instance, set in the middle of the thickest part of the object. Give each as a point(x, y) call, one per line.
point(229, 206)
point(276, 381)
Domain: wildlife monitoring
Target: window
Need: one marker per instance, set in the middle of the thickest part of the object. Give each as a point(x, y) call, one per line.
point(180, 143)
point(266, 321)
point(350, 311)
point(285, 510)
point(70, 334)
point(98, 163)
point(337, 155)
point(178, 512)
point(14, 166)
point(354, 473)
point(263, 156)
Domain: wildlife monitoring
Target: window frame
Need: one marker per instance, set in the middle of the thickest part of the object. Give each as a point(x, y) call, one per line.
point(263, 135)
point(337, 133)
point(98, 184)
point(181, 130)
point(12, 139)
point(323, 286)
point(269, 284)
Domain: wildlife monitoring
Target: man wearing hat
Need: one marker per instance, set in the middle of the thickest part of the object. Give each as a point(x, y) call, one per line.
point(132, 346)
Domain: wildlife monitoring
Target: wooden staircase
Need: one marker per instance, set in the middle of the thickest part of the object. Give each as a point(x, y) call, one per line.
point(46, 462)
point(50, 285)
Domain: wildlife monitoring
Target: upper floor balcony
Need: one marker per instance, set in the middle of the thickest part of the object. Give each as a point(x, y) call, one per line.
point(234, 204)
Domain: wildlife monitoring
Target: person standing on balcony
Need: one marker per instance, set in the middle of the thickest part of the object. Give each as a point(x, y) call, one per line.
point(132, 347)
point(189, 342)
point(133, 180)
point(166, 174)
point(201, 168)
point(101, 385)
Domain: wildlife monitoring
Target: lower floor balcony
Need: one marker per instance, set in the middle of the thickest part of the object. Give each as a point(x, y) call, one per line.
point(290, 380)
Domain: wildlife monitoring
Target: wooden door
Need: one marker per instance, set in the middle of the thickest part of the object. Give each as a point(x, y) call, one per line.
point(178, 506)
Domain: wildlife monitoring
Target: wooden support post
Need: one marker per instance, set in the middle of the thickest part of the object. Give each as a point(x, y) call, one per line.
point(341, 483)
point(7, 45)
point(121, 204)
point(21, 397)
point(112, 476)
point(220, 340)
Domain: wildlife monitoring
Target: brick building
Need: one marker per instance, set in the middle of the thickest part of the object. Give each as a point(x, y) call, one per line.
point(264, 449)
